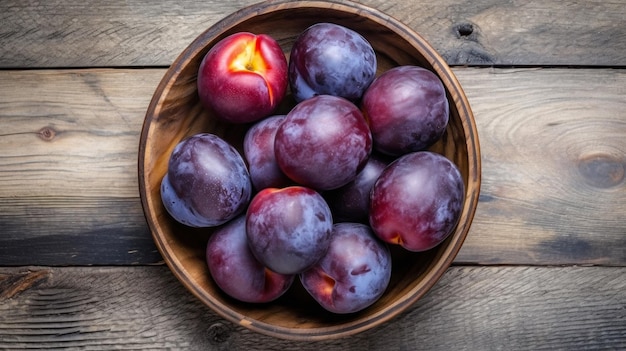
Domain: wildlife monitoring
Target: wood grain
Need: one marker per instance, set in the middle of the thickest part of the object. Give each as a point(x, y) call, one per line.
point(140, 33)
point(552, 145)
point(68, 167)
point(480, 308)
point(554, 156)
point(72, 133)
point(553, 189)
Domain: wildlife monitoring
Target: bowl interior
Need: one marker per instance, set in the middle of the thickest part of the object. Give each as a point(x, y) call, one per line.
point(175, 113)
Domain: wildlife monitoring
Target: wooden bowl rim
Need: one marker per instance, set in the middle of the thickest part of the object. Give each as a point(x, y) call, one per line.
point(472, 192)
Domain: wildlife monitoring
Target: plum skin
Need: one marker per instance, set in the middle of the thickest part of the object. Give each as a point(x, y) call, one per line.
point(207, 182)
point(353, 274)
point(323, 143)
point(236, 271)
point(351, 202)
point(407, 109)
point(243, 78)
point(417, 201)
point(258, 146)
point(330, 59)
point(288, 229)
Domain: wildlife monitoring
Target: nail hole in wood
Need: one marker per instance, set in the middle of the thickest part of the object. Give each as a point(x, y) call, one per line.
point(464, 29)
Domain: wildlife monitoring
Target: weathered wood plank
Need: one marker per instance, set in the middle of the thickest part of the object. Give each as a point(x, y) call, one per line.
point(553, 151)
point(75, 230)
point(554, 160)
point(470, 308)
point(68, 169)
point(141, 33)
point(72, 133)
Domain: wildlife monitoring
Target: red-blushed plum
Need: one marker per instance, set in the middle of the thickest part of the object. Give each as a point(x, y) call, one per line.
point(353, 274)
point(323, 143)
point(407, 109)
point(351, 202)
point(235, 269)
point(288, 229)
point(330, 59)
point(243, 77)
point(417, 200)
point(207, 182)
point(258, 149)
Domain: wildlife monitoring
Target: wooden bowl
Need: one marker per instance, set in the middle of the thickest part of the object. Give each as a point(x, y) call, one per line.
point(175, 113)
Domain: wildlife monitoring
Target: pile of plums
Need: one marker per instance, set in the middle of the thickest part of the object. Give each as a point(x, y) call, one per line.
point(320, 192)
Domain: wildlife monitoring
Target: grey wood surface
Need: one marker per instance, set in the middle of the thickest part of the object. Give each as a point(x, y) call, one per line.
point(544, 264)
point(471, 308)
point(140, 33)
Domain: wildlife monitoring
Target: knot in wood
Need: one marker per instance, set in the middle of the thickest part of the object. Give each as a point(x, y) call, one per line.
point(218, 333)
point(46, 133)
point(602, 171)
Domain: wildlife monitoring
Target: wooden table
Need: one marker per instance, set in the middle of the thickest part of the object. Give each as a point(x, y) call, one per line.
point(543, 266)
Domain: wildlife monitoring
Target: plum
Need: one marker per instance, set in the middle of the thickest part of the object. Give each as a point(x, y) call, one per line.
point(243, 77)
point(407, 109)
point(330, 59)
point(323, 143)
point(235, 269)
point(351, 202)
point(353, 274)
point(417, 200)
point(288, 229)
point(258, 149)
point(207, 182)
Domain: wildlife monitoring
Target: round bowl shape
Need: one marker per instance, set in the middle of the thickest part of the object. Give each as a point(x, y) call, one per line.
point(175, 112)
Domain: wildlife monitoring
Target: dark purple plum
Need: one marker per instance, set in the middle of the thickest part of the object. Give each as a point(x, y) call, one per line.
point(288, 229)
point(351, 202)
point(330, 59)
point(353, 274)
point(323, 143)
point(417, 201)
point(207, 182)
point(178, 207)
point(407, 109)
point(258, 149)
point(235, 269)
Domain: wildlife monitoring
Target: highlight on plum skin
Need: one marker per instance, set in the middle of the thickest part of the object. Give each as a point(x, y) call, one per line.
point(207, 182)
point(258, 149)
point(243, 78)
point(323, 143)
point(354, 273)
point(417, 201)
point(407, 109)
point(236, 271)
point(288, 229)
point(330, 59)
